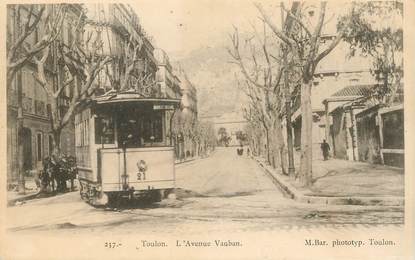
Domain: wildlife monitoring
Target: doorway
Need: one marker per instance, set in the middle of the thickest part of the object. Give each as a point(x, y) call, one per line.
point(27, 148)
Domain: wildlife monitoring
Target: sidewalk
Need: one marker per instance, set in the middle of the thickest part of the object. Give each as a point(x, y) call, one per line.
point(31, 191)
point(344, 183)
point(189, 159)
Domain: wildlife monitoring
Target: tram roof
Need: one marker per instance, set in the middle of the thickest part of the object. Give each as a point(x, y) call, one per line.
point(133, 97)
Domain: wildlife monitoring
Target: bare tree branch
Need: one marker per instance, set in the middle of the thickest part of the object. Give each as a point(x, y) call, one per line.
point(296, 19)
point(273, 27)
point(310, 64)
point(235, 54)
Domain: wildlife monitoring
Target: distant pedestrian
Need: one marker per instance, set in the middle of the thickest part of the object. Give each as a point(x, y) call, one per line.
point(325, 148)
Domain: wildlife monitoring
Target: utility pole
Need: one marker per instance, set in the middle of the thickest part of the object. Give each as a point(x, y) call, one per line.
point(287, 94)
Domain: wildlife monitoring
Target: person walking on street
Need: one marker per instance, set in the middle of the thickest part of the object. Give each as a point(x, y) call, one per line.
point(325, 148)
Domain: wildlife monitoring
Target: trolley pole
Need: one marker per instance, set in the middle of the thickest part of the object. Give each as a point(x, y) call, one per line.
point(124, 176)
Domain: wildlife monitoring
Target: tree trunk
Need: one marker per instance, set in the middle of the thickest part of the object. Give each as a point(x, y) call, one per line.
point(11, 74)
point(277, 142)
point(184, 148)
point(176, 147)
point(56, 142)
point(306, 134)
point(267, 144)
point(283, 159)
point(274, 143)
point(290, 146)
point(261, 147)
point(281, 147)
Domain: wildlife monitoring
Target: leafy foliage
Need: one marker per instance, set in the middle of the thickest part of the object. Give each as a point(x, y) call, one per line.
point(375, 30)
point(241, 136)
point(223, 137)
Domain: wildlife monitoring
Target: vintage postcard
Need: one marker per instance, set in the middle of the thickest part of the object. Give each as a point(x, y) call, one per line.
point(207, 129)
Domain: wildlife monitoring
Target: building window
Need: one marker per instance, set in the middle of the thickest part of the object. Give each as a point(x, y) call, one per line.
point(39, 146)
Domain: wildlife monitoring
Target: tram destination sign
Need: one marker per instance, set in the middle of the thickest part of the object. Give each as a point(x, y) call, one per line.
point(163, 107)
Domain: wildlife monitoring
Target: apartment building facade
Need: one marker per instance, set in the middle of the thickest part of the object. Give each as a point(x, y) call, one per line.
point(37, 136)
point(168, 82)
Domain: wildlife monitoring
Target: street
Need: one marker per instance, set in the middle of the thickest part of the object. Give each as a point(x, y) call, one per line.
point(224, 192)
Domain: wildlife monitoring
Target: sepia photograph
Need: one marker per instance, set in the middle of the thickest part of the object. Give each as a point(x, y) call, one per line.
point(206, 130)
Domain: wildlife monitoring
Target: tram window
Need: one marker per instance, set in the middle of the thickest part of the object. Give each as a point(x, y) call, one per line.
point(153, 128)
point(86, 132)
point(104, 130)
point(140, 130)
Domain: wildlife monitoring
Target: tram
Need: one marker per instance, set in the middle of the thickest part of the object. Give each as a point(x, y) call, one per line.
point(124, 148)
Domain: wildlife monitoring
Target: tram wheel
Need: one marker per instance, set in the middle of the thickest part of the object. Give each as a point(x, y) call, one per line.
point(113, 199)
point(170, 194)
point(156, 195)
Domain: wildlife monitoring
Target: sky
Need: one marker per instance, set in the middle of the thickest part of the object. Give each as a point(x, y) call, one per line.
point(180, 26)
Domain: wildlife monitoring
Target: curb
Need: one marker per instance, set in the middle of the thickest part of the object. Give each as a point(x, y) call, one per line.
point(185, 161)
point(12, 202)
point(293, 193)
point(193, 159)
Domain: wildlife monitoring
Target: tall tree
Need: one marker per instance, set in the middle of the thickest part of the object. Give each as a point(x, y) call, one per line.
point(130, 70)
point(305, 45)
point(26, 23)
point(381, 40)
point(205, 137)
point(262, 76)
point(288, 26)
point(77, 66)
point(254, 131)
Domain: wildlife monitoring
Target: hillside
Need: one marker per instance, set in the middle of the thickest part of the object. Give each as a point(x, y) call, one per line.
point(214, 78)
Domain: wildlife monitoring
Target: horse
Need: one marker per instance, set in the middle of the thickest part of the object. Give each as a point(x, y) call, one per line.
point(58, 170)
